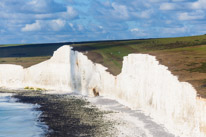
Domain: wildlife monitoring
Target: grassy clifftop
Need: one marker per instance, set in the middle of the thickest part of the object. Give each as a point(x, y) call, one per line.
point(184, 56)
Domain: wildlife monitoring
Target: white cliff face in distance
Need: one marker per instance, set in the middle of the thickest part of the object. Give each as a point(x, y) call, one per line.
point(143, 84)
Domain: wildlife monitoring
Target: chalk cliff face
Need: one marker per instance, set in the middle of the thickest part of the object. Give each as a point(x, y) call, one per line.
point(143, 84)
point(11, 76)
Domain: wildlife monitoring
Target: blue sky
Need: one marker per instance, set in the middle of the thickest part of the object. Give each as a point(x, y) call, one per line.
point(42, 21)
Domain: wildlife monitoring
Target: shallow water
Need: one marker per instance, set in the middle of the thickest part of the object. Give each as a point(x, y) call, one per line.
point(19, 119)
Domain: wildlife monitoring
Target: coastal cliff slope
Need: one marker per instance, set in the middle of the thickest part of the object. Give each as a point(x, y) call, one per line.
point(142, 84)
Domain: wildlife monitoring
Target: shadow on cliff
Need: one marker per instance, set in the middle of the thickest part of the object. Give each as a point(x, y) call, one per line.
point(76, 84)
point(80, 78)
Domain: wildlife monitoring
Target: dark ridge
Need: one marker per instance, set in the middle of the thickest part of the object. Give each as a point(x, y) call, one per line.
point(46, 49)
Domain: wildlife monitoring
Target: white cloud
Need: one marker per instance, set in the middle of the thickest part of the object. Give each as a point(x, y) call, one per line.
point(200, 4)
point(178, 0)
point(43, 16)
point(190, 16)
point(174, 30)
point(71, 13)
point(144, 14)
point(32, 27)
point(58, 24)
point(97, 19)
point(51, 25)
point(71, 25)
point(134, 30)
point(168, 21)
point(120, 11)
point(168, 6)
point(157, 0)
point(41, 6)
point(76, 27)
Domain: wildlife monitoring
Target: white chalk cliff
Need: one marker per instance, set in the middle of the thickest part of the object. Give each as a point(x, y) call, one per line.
point(143, 84)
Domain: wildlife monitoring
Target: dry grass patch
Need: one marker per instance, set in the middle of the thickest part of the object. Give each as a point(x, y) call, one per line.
point(189, 64)
point(23, 61)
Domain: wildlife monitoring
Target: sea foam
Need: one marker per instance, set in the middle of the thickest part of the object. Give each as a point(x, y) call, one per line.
point(19, 119)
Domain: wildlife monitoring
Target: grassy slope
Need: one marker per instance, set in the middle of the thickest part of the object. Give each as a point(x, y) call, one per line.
point(113, 52)
point(185, 56)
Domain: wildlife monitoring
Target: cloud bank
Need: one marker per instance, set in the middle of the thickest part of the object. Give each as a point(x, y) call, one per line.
point(40, 21)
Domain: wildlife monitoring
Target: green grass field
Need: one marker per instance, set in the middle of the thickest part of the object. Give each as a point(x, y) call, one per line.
point(184, 56)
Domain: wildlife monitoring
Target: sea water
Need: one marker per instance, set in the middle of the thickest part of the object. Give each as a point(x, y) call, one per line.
point(19, 119)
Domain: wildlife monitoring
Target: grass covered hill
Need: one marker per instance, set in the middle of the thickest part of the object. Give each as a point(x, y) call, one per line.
point(184, 56)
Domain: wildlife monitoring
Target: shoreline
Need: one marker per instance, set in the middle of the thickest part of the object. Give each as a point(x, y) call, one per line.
point(66, 115)
point(74, 115)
